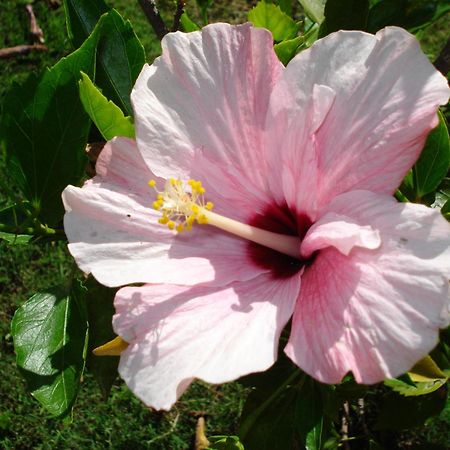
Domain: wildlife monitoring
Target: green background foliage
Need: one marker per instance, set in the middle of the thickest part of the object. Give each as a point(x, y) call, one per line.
point(106, 414)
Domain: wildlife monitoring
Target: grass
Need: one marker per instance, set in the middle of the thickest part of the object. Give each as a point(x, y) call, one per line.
point(121, 421)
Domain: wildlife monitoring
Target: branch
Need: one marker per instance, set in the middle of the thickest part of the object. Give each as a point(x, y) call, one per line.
point(36, 31)
point(345, 421)
point(442, 62)
point(21, 50)
point(178, 13)
point(153, 16)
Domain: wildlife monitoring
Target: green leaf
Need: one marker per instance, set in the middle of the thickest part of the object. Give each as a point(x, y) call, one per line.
point(100, 309)
point(270, 16)
point(45, 128)
point(120, 54)
point(15, 239)
point(285, 6)
point(225, 443)
point(187, 24)
point(107, 116)
point(384, 13)
point(400, 412)
point(426, 370)
point(50, 336)
point(120, 58)
point(422, 388)
point(434, 161)
point(314, 9)
point(286, 50)
point(410, 14)
point(445, 210)
point(344, 15)
point(284, 411)
point(441, 197)
point(81, 18)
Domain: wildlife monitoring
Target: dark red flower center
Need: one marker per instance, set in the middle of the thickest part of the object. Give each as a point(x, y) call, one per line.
point(279, 219)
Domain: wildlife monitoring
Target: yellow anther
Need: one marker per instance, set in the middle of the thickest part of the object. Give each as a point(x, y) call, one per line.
point(181, 204)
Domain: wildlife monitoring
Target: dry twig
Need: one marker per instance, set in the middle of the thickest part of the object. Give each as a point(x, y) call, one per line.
point(21, 50)
point(345, 423)
point(36, 31)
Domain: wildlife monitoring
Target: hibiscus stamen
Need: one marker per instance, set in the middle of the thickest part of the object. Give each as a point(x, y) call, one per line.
point(182, 204)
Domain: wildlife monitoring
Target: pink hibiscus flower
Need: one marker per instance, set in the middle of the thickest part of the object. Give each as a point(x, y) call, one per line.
point(311, 154)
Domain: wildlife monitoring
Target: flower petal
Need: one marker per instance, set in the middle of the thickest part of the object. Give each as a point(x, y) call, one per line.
point(207, 94)
point(177, 333)
point(352, 112)
point(114, 234)
point(374, 312)
point(341, 232)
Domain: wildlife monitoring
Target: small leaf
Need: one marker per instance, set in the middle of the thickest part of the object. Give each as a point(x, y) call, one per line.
point(441, 197)
point(426, 370)
point(107, 116)
point(417, 389)
point(225, 443)
point(314, 9)
point(286, 50)
point(434, 160)
point(187, 24)
point(344, 15)
point(270, 16)
point(15, 239)
point(50, 337)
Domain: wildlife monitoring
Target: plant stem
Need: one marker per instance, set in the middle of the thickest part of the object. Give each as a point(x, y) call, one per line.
point(37, 230)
